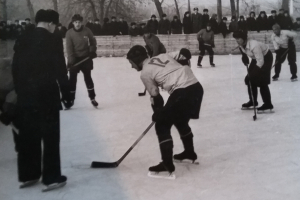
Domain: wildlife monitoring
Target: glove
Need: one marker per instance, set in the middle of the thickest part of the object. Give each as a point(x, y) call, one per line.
point(245, 60)
point(277, 51)
point(291, 43)
point(93, 55)
point(255, 73)
point(67, 103)
point(5, 118)
point(157, 102)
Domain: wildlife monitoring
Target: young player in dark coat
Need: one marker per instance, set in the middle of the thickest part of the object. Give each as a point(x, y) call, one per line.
point(164, 26)
point(176, 26)
point(184, 103)
point(262, 22)
point(187, 23)
point(251, 22)
point(153, 45)
point(214, 24)
point(152, 25)
point(272, 19)
point(259, 69)
point(81, 44)
point(242, 24)
point(223, 27)
point(196, 21)
point(123, 26)
point(205, 38)
point(97, 28)
point(283, 41)
point(39, 74)
point(205, 18)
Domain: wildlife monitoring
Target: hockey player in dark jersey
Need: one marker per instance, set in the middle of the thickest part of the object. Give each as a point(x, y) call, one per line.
point(183, 104)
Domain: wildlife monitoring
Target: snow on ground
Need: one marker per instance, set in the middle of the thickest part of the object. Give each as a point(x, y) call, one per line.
point(239, 158)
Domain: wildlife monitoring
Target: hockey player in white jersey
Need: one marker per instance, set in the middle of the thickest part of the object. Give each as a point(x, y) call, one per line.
point(183, 104)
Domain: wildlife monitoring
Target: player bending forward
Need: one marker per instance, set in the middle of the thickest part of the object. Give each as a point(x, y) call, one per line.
point(183, 104)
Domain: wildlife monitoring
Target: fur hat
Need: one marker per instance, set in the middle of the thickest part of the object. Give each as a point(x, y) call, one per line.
point(205, 10)
point(153, 16)
point(196, 9)
point(274, 11)
point(47, 16)
point(137, 54)
point(77, 17)
point(164, 15)
point(224, 18)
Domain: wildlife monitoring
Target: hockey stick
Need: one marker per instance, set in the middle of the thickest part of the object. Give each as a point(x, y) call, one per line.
point(252, 97)
point(142, 93)
point(280, 58)
point(96, 164)
point(81, 61)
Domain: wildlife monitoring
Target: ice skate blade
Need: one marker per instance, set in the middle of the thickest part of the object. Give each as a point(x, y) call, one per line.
point(54, 186)
point(187, 161)
point(269, 111)
point(275, 79)
point(29, 183)
point(250, 108)
point(293, 80)
point(162, 175)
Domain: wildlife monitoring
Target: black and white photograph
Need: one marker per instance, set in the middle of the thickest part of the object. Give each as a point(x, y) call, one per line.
point(149, 100)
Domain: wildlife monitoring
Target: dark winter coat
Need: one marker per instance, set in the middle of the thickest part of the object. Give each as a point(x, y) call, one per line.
point(233, 26)
point(280, 20)
point(106, 28)
point(197, 22)
point(134, 31)
point(187, 24)
point(296, 26)
point(242, 26)
point(38, 64)
point(262, 24)
point(272, 21)
point(214, 25)
point(152, 26)
point(97, 30)
point(164, 27)
point(251, 24)
point(287, 23)
point(205, 20)
point(176, 27)
point(90, 26)
point(114, 28)
point(123, 27)
point(223, 29)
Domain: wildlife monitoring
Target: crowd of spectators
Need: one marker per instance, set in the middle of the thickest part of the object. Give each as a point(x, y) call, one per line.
point(191, 23)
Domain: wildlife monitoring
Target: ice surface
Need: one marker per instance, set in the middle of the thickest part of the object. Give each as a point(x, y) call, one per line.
point(239, 159)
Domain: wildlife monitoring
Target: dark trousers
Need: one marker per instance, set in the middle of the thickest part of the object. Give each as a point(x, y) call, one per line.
point(291, 56)
point(204, 48)
point(38, 145)
point(264, 91)
point(87, 79)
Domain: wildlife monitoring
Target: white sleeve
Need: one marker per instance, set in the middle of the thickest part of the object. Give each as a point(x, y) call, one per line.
point(276, 46)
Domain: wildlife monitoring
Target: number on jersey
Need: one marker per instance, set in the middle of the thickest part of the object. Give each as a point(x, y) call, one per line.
point(158, 62)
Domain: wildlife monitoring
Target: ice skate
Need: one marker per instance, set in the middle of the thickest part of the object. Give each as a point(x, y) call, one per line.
point(275, 77)
point(249, 105)
point(161, 171)
point(29, 183)
point(212, 64)
point(94, 103)
point(265, 107)
point(294, 78)
point(62, 182)
point(199, 65)
point(186, 157)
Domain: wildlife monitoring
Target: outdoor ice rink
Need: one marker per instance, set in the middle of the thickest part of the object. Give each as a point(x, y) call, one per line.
point(240, 159)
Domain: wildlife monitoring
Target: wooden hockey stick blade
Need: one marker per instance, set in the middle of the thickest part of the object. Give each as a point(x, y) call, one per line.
point(142, 94)
point(96, 164)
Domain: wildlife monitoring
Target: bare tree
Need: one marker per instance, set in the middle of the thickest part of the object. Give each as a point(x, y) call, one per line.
point(233, 11)
point(219, 10)
point(55, 6)
point(31, 10)
point(93, 9)
point(108, 7)
point(4, 9)
point(189, 5)
point(158, 7)
point(177, 9)
point(285, 4)
point(237, 9)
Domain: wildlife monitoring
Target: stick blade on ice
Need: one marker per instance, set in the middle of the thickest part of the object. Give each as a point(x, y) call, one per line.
point(96, 164)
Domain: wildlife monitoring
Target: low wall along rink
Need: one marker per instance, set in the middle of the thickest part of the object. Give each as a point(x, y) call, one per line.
point(118, 46)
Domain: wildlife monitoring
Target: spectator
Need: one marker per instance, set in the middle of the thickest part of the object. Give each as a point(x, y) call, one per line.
point(251, 22)
point(19, 32)
point(142, 28)
point(153, 44)
point(2, 32)
point(242, 24)
point(214, 24)
point(114, 28)
point(262, 22)
point(272, 19)
point(223, 27)
point(29, 25)
point(187, 23)
point(90, 24)
point(61, 30)
point(280, 18)
point(233, 26)
point(133, 31)
point(123, 26)
point(23, 24)
point(15, 29)
point(8, 32)
point(287, 21)
point(152, 25)
point(97, 28)
point(164, 25)
point(106, 26)
point(297, 24)
point(205, 18)
point(70, 25)
point(176, 26)
point(196, 21)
